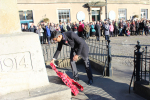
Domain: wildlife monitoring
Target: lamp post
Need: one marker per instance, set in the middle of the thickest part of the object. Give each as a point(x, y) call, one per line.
point(106, 10)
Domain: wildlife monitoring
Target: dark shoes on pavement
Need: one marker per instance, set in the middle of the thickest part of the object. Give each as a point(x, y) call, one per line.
point(76, 78)
point(90, 82)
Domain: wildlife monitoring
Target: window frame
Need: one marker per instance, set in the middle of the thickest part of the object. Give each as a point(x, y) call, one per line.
point(63, 15)
point(146, 14)
point(122, 11)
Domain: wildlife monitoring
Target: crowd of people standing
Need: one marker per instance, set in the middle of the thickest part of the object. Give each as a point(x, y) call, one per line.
point(106, 28)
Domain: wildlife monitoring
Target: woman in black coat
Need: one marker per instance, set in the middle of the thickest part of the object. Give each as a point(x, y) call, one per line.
point(97, 28)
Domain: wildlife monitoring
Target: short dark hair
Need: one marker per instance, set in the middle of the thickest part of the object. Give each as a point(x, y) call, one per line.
point(55, 34)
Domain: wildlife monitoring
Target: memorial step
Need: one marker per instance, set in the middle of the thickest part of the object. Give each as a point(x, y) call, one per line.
point(56, 90)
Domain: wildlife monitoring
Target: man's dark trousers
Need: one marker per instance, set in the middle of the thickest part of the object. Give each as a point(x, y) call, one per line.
point(86, 62)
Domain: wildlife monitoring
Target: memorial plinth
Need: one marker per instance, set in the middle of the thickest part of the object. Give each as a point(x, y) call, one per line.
point(22, 64)
point(9, 17)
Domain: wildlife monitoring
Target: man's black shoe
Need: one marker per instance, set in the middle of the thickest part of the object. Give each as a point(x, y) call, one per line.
point(90, 82)
point(76, 79)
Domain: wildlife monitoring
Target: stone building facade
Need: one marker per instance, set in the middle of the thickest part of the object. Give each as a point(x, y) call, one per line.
point(76, 10)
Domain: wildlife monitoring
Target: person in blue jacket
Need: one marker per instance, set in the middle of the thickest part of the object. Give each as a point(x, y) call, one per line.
point(48, 34)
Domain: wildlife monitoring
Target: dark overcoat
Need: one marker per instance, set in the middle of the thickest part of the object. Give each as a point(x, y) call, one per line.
point(97, 28)
point(76, 43)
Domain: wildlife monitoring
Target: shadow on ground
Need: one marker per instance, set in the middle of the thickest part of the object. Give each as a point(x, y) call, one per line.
point(103, 88)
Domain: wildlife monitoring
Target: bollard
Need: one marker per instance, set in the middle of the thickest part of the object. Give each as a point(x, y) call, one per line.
point(138, 62)
point(109, 58)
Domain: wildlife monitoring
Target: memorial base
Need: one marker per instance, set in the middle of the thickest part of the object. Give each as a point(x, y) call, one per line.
point(22, 64)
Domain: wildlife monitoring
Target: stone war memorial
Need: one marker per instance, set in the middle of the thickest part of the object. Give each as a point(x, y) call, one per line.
point(21, 60)
point(22, 66)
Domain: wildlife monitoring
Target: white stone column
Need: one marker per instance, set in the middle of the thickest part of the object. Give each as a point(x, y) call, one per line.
point(9, 17)
point(22, 65)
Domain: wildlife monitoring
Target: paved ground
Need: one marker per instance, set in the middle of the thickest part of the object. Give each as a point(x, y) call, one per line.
point(116, 87)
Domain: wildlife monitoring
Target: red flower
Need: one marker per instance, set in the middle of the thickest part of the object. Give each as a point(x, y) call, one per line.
point(66, 42)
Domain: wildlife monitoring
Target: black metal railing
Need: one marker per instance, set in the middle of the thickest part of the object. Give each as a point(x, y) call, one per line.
point(141, 70)
point(98, 50)
point(49, 50)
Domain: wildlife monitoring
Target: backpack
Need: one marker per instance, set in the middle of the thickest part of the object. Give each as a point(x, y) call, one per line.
point(75, 26)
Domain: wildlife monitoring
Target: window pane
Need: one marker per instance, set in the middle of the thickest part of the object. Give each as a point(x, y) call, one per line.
point(68, 12)
point(59, 17)
point(122, 14)
point(144, 13)
point(21, 15)
point(63, 15)
point(65, 12)
point(29, 15)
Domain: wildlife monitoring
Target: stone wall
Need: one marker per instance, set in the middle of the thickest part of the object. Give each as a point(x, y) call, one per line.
point(86, 1)
point(58, 1)
point(128, 1)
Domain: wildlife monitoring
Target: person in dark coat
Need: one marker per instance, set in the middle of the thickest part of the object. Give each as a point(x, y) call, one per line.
point(74, 28)
point(97, 28)
point(25, 29)
point(115, 28)
point(137, 27)
point(120, 27)
point(68, 27)
point(32, 28)
point(78, 48)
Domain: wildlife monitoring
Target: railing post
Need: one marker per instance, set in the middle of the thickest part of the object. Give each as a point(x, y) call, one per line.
point(109, 58)
point(137, 61)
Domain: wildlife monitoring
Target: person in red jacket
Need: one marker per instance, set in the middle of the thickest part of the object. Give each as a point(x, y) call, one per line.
point(80, 29)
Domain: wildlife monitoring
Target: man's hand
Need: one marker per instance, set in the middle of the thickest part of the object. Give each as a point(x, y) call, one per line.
point(75, 58)
point(52, 61)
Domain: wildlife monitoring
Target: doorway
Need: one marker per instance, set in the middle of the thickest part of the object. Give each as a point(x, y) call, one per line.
point(95, 15)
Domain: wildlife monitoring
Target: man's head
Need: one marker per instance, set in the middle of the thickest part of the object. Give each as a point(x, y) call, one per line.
point(56, 36)
point(97, 22)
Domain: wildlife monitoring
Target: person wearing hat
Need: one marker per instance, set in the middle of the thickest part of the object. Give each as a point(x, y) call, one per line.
point(106, 28)
point(78, 48)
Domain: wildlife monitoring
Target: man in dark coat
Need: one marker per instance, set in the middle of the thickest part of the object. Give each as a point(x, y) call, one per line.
point(44, 33)
point(97, 28)
point(116, 28)
point(78, 48)
point(32, 28)
point(137, 27)
point(120, 27)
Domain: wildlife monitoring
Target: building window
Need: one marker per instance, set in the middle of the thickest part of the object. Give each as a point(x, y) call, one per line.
point(95, 15)
point(26, 15)
point(64, 15)
point(144, 13)
point(122, 14)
